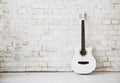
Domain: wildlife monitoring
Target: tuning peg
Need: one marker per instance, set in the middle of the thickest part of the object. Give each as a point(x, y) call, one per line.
point(82, 15)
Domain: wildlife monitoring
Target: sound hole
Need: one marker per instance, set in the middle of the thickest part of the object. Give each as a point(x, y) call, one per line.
point(83, 52)
point(83, 62)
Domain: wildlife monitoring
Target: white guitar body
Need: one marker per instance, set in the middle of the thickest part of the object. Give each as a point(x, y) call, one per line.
point(83, 64)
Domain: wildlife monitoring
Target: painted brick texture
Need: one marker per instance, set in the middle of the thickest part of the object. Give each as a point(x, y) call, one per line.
point(40, 35)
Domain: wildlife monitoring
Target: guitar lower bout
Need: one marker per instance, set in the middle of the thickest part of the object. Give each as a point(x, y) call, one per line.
point(83, 64)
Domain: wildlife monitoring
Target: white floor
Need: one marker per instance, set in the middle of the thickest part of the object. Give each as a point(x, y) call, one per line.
point(60, 77)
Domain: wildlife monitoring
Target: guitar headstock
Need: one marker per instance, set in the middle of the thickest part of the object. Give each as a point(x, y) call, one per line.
point(82, 16)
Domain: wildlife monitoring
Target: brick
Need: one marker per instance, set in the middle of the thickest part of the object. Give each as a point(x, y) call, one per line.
point(40, 16)
point(53, 64)
point(42, 1)
point(3, 1)
point(108, 43)
point(118, 43)
point(37, 6)
point(104, 58)
point(115, 1)
point(12, 69)
point(104, 48)
point(117, 6)
point(106, 64)
point(115, 21)
point(108, 69)
point(22, 11)
point(44, 69)
point(52, 69)
point(33, 68)
point(43, 64)
point(114, 64)
point(107, 21)
point(64, 69)
point(112, 59)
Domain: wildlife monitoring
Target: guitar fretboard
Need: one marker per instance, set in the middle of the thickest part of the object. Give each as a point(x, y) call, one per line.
point(82, 35)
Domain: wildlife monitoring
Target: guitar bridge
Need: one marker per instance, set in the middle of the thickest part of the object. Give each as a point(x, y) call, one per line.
point(83, 62)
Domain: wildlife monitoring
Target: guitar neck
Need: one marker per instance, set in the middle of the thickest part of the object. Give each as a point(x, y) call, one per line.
point(82, 35)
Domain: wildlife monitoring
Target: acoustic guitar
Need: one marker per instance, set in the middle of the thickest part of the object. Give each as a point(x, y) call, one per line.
point(83, 62)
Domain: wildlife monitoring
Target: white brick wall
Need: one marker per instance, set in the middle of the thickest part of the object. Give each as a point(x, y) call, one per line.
point(40, 35)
